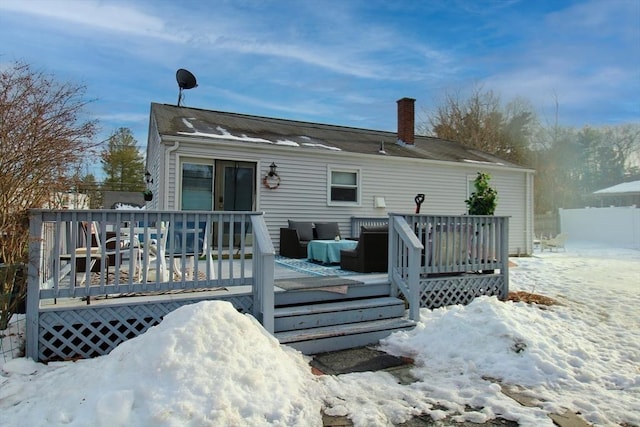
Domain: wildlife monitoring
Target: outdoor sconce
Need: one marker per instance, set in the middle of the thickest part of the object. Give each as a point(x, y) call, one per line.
point(147, 178)
point(271, 180)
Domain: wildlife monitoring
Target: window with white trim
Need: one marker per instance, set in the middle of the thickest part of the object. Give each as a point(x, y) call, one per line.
point(344, 186)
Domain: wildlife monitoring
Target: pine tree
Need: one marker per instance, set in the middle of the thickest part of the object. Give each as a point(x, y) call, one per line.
point(122, 162)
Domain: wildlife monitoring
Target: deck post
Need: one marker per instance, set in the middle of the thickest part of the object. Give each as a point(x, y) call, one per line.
point(393, 256)
point(33, 284)
point(504, 256)
point(405, 256)
point(263, 271)
point(414, 284)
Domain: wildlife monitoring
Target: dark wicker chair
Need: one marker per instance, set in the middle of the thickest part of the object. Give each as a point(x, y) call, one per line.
point(371, 254)
point(291, 245)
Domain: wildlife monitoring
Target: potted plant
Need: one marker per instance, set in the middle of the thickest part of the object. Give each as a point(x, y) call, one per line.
point(148, 195)
point(482, 201)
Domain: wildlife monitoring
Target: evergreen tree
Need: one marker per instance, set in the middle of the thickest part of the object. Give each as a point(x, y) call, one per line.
point(482, 201)
point(122, 162)
point(88, 185)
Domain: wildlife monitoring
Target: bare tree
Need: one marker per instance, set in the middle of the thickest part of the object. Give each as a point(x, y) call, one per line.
point(625, 141)
point(42, 140)
point(481, 122)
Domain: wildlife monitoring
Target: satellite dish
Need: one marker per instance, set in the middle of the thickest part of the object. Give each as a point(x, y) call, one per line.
point(185, 80)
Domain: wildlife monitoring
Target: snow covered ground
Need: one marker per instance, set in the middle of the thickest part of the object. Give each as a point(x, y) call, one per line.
point(207, 365)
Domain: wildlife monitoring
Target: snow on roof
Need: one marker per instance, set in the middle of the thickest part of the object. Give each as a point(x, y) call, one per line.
point(625, 187)
point(482, 162)
point(234, 127)
point(225, 134)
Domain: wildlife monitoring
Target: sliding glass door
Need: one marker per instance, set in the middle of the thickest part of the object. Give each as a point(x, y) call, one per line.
point(233, 188)
point(235, 185)
point(235, 191)
point(220, 185)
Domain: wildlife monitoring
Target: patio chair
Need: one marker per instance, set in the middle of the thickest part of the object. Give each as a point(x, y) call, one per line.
point(153, 241)
point(190, 241)
point(99, 258)
point(554, 242)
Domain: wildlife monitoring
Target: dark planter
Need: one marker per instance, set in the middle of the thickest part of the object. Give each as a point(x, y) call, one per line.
point(148, 197)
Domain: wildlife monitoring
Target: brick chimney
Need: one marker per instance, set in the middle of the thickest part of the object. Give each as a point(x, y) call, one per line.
point(406, 120)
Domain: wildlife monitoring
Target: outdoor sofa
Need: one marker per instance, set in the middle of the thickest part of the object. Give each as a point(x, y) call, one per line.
point(295, 238)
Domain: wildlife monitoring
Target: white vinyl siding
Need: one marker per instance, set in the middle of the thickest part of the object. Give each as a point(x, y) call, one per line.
point(304, 190)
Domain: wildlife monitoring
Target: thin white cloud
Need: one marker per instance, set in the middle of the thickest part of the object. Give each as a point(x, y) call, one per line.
point(346, 63)
point(358, 50)
point(113, 17)
point(124, 117)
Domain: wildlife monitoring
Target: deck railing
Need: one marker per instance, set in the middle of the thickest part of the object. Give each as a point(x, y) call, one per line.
point(85, 253)
point(424, 248)
point(373, 221)
point(90, 254)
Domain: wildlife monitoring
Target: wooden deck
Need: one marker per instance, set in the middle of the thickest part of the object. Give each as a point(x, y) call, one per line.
point(215, 292)
point(433, 261)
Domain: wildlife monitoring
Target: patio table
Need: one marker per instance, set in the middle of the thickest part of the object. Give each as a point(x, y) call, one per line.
point(328, 251)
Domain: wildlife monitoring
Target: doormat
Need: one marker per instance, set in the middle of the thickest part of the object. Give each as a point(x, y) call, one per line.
point(359, 359)
point(304, 266)
point(330, 284)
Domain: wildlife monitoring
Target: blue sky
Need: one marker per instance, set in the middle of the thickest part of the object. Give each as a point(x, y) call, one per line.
point(331, 61)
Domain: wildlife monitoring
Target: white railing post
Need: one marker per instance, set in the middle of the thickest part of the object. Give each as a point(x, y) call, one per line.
point(414, 283)
point(392, 262)
point(263, 271)
point(400, 231)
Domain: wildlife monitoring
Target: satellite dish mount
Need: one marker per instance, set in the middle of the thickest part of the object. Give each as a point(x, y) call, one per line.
point(185, 80)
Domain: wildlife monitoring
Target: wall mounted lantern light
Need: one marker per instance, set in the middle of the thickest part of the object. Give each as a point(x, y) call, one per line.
point(271, 180)
point(147, 178)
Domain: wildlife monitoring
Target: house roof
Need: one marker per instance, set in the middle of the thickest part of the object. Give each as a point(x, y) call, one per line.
point(624, 188)
point(172, 120)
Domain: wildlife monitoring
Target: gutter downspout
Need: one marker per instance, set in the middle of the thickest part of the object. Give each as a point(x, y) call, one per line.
point(165, 172)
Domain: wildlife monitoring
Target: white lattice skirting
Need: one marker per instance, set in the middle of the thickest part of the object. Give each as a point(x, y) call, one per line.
point(442, 291)
point(90, 331)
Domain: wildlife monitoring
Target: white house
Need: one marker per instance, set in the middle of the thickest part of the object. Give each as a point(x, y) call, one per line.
point(623, 194)
point(211, 160)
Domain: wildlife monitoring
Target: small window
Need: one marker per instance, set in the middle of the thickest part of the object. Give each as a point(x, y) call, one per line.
point(344, 186)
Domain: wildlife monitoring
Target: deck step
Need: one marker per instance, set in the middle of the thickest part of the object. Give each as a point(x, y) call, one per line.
point(340, 337)
point(297, 297)
point(337, 313)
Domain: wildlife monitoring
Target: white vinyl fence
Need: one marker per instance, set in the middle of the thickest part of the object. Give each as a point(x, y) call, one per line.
point(614, 226)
